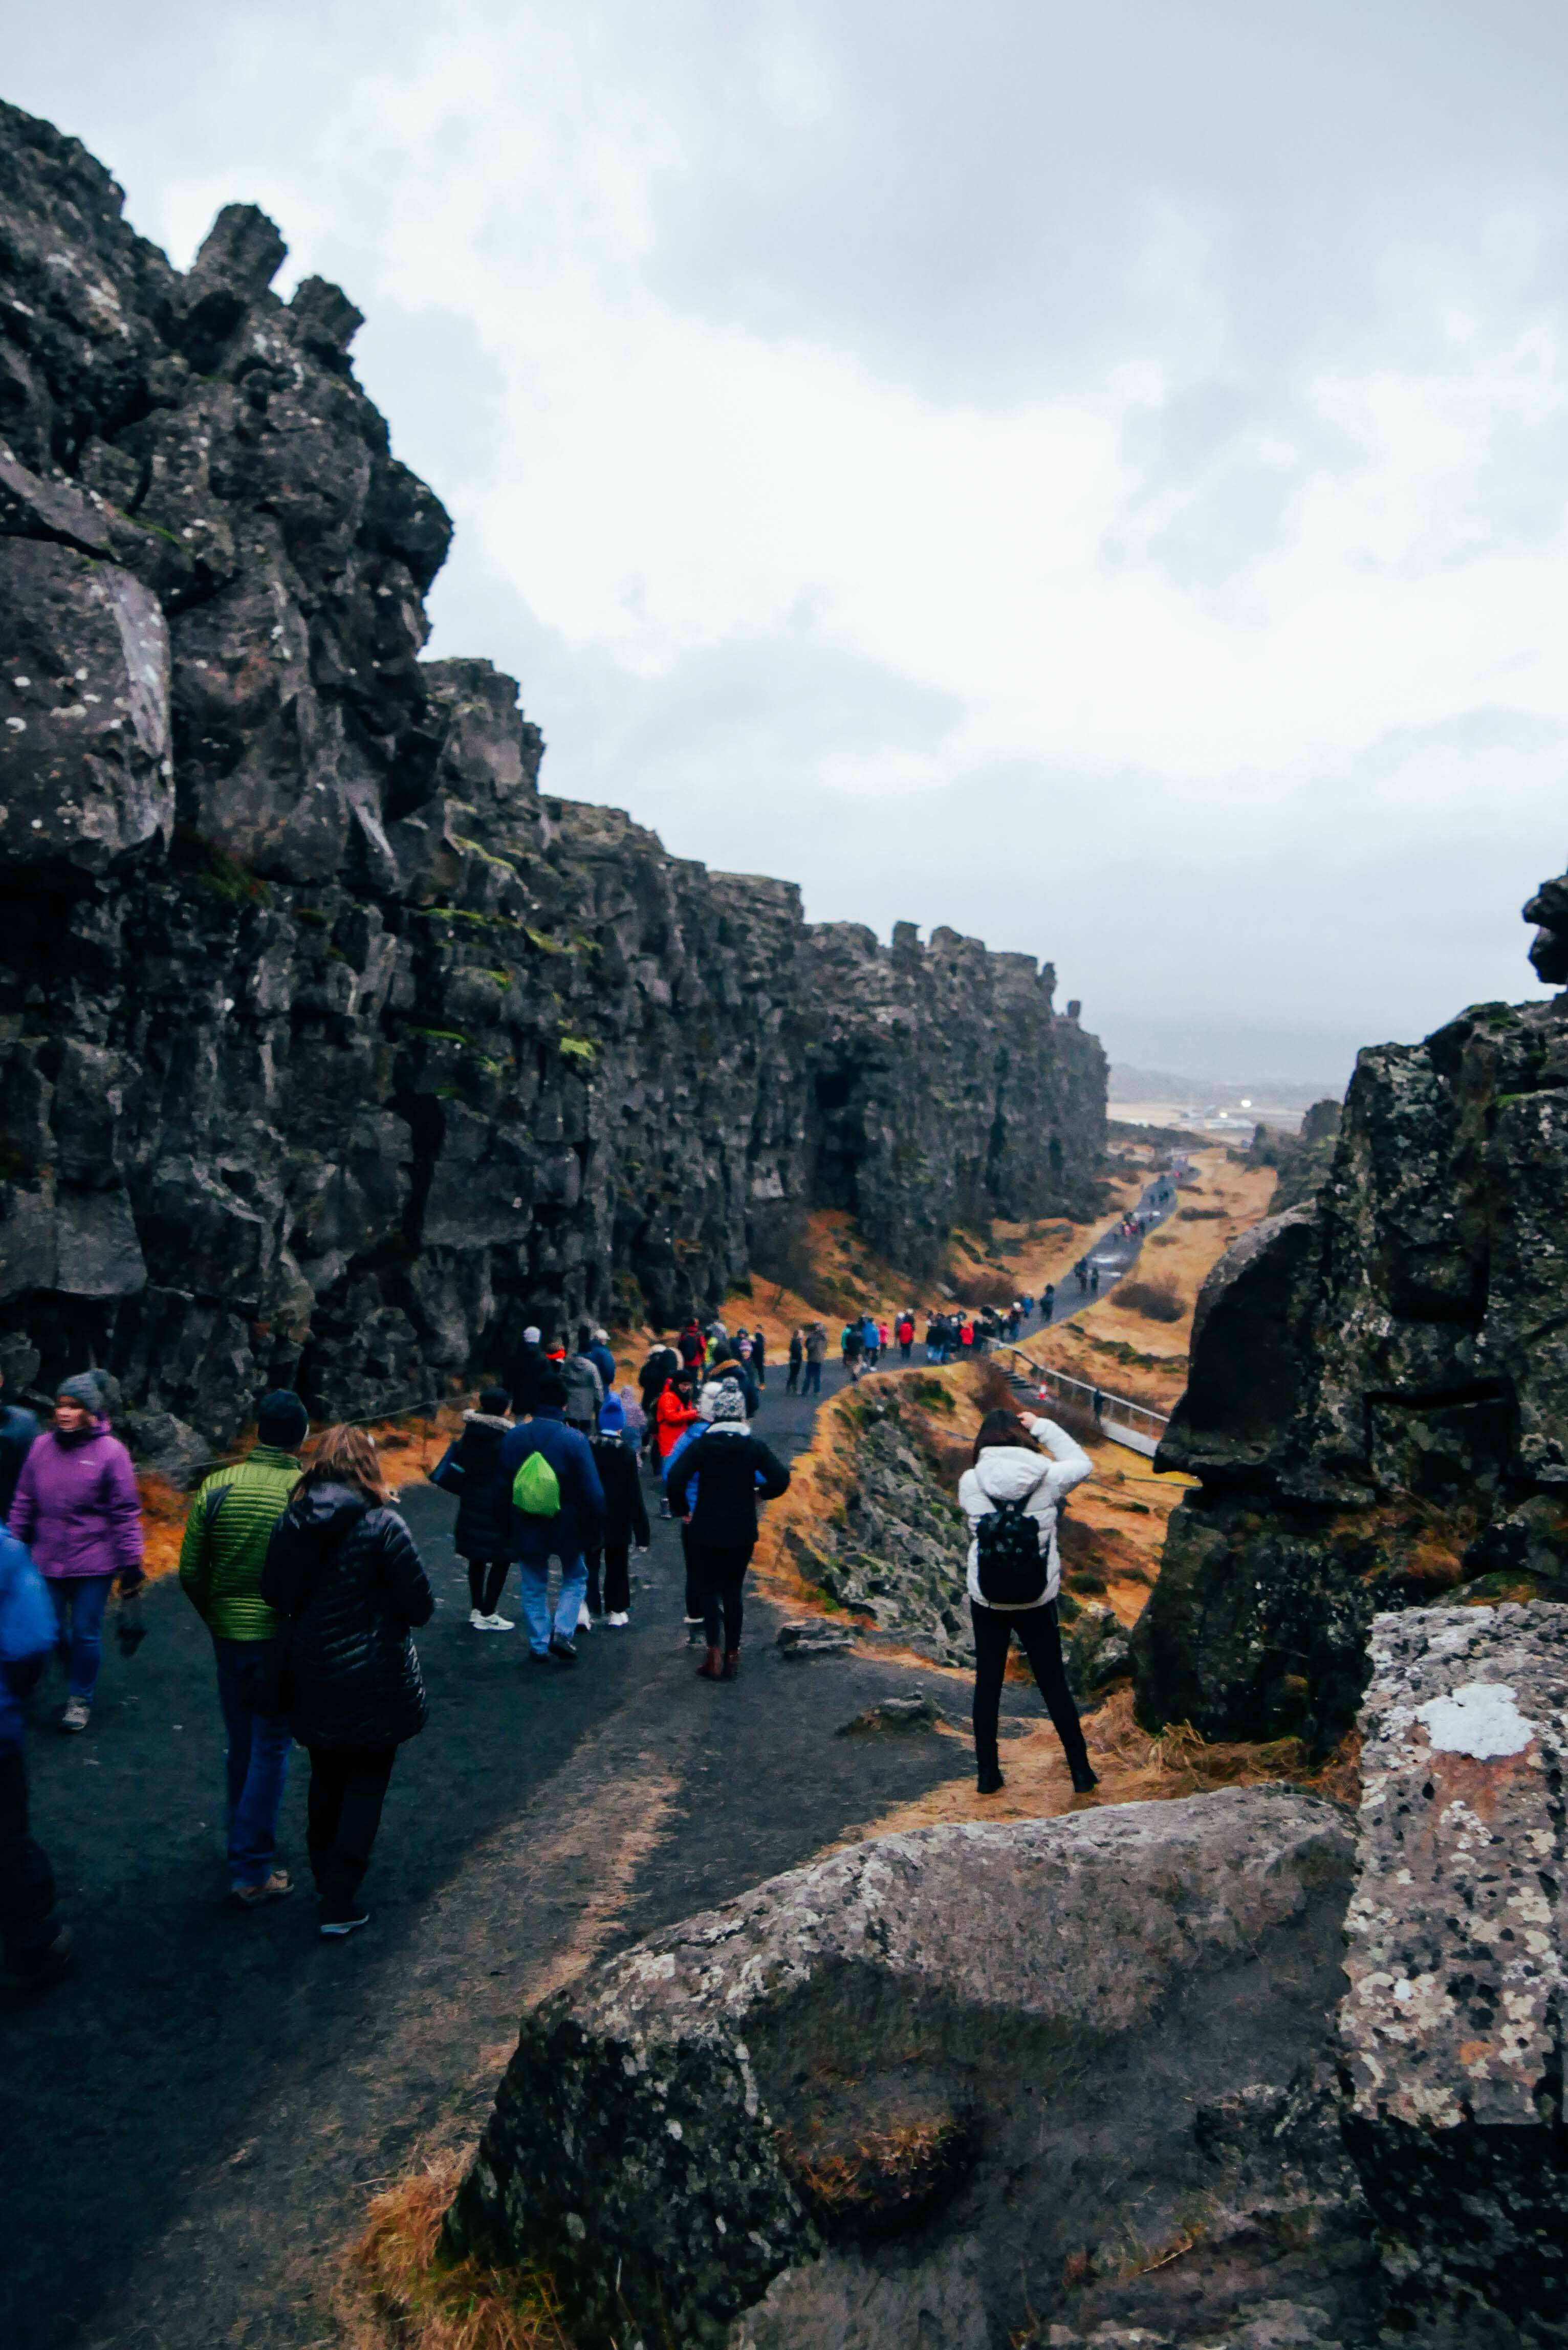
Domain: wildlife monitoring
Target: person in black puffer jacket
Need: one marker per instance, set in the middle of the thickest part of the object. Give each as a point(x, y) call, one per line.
point(468, 1469)
point(342, 1567)
point(731, 1471)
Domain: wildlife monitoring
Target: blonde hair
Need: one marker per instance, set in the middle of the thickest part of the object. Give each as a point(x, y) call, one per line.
point(348, 1456)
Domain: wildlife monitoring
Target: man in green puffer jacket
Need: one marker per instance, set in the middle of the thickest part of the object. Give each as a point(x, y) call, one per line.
point(221, 1563)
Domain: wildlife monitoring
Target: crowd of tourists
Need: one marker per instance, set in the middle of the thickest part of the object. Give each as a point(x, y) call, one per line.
point(311, 1585)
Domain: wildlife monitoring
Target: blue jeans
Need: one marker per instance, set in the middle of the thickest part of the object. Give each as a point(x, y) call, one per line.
point(535, 1578)
point(812, 1384)
point(79, 1602)
point(256, 1764)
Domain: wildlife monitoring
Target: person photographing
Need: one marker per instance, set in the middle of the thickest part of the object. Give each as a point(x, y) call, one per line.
point(1020, 1470)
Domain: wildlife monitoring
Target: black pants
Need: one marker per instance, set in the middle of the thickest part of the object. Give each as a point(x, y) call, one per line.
point(486, 1582)
point(614, 1554)
point(27, 1920)
point(718, 1574)
point(791, 1385)
point(348, 1788)
point(1041, 1642)
point(693, 1586)
point(812, 1384)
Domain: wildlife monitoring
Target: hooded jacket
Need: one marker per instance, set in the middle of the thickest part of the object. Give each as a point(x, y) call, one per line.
point(626, 1511)
point(579, 1521)
point(585, 1390)
point(732, 1468)
point(348, 1578)
point(468, 1469)
point(1007, 1472)
point(76, 1507)
point(673, 1415)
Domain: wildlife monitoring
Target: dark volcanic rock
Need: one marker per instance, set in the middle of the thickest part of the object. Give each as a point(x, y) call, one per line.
point(1378, 1401)
point(950, 2086)
point(333, 1052)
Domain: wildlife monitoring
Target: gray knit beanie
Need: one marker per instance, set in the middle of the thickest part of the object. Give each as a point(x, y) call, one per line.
point(729, 1403)
point(89, 1389)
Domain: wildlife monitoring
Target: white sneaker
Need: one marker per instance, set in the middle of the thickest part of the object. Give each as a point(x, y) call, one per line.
point(617, 1617)
point(477, 1621)
point(585, 1621)
point(498, 1624)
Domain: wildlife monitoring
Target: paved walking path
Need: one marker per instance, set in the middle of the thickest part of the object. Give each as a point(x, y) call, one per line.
point(193, 2122)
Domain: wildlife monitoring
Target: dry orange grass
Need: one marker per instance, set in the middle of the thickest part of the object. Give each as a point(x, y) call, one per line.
point(1132, 1767)
point(395, 2293)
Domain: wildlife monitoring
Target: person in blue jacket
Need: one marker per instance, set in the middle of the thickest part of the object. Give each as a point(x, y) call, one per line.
point(37, 1946)
point(575, 1528)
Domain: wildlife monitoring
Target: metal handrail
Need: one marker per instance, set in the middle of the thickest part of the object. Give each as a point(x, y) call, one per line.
point(1122, 1405)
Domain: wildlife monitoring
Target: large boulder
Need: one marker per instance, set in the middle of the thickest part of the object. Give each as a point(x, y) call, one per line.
point(948, 2084)
point(1452, 2031)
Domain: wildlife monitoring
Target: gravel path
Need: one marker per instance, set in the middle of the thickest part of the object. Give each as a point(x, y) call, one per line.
point(194, 2123)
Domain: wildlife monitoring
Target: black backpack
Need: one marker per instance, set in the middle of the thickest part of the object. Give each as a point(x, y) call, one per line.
point(1010, 1567)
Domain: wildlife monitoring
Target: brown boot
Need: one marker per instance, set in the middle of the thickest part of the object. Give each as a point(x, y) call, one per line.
point(732, 1664)
point(711, 1668)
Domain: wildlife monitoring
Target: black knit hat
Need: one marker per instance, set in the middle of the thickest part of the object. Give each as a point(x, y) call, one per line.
point(495, 1401)
point(282, 1420)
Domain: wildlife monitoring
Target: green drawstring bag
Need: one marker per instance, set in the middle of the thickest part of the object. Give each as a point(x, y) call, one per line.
point(536, 1489)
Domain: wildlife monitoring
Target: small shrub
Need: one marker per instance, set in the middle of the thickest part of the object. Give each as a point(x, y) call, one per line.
point(1201, 1215)
point(985, 1288)
point(1159, 1300)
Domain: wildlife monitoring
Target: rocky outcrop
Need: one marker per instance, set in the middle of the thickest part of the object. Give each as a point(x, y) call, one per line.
point(332, 1050)
point(891, 1553)
point(1452, 2032)
point(960, 2086)
point(1303, 1159)
point(1377, 1407)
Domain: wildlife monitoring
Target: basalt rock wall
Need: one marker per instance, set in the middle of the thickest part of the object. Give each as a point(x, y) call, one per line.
point(330, 1049)
point(1378, 1402)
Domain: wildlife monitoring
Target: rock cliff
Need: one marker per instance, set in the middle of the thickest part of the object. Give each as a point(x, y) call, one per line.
point(1378, 1405)
point(333, 1050)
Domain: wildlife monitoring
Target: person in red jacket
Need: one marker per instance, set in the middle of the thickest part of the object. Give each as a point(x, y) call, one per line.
point(674, 1414)
point(906, 1334)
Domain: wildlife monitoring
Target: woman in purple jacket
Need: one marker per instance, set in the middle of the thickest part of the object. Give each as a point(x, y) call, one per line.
point(78, 1510)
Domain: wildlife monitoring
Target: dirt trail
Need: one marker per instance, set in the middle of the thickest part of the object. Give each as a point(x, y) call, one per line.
point(195, 2120)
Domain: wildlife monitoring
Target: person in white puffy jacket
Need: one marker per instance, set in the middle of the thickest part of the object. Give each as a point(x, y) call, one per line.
point(1032, 1463)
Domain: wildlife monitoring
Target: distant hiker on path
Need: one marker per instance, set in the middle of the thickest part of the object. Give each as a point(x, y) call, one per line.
point(625, 1519)
point(731, 1468)
point(655, 1376)
point(483, 1533)
point(854, 1345)
point(677, 1410)
point(759, 1355)
point(78, 1510)
point(584, 1388)
point(546, 1476)
point(343, 1570)
point(1022, 1468)
point(221, 1561)
point(528, 1366)
point(905, 1335)
point(796, 1358)
point(816, 1356)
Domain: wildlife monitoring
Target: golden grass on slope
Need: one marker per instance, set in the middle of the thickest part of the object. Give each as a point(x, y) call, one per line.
point(395, 2293)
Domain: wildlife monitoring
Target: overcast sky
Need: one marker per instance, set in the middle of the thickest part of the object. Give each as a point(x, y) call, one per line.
point(1091, 474)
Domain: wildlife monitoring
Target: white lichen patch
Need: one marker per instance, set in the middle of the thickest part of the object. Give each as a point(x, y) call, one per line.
point(1479, 1719)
